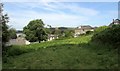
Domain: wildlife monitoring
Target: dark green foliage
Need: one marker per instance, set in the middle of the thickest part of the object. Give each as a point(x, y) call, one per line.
point(110, 35)
point(12, 33)
point(41, 34)
point(12, 51)
point(48, 30)
point(35, 31)
point(5, 33)
point(98, 30)
point(31, 37)
point(69, 33)
point(56, 32)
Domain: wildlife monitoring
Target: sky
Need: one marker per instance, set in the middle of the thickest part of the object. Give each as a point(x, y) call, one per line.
point(61, 14)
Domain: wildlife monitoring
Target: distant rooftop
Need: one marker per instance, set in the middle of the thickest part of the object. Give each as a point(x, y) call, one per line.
point(116, 21)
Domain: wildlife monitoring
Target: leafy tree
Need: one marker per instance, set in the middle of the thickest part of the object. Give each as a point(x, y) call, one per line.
point(35, 31)
point(5, 33)
point(48, 30)
point(69, 33)
point(56, 31)
point(41, 34)
point(12, 33)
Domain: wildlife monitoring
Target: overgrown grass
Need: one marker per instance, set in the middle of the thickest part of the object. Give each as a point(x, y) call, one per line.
point(73, 53)
point(108, 35)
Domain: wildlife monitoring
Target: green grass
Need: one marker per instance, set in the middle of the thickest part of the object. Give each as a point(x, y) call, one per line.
point(73, 53)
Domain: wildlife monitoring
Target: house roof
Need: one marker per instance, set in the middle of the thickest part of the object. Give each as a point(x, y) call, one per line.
point(84, 27)
point(115, 21)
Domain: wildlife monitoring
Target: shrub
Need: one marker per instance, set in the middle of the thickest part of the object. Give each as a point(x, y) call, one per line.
point(15, 51)
point(110, 35)
point(100, 29)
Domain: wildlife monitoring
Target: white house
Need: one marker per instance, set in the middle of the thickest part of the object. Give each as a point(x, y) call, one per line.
point(115, 22)
point(51, 37)
point(82, 30)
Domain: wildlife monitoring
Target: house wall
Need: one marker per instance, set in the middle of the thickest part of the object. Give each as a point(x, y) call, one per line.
point(82, 31)
point(79, 31)
point(27, 42)
point(51, 37)
point(18, 41)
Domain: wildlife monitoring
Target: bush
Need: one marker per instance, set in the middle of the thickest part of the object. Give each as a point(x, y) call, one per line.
point(69, 34)
point(110, 35)
point(100, 29)
point(15, 51)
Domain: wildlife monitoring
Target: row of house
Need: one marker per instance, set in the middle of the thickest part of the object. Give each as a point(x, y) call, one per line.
point(20, 40)
point(78, 31)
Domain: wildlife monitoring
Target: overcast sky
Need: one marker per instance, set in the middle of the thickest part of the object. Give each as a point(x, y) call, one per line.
point(64, 14)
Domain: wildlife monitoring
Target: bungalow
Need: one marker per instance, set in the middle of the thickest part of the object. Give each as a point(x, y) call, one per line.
point(82, 30)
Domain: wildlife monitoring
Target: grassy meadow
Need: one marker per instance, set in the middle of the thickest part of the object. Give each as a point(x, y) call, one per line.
point(71, 53)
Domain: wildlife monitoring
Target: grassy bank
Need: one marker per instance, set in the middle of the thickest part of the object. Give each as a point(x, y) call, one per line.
point(73, 53)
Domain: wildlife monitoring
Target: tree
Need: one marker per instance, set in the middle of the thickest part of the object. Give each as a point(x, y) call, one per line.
point(56, 31)
point(41, 34)
point(4, 19)
point(35, 31)
point(12, 33)
point(69, 33)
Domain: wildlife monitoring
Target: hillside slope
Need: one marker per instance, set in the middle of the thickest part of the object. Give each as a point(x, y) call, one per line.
point(73, 53)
